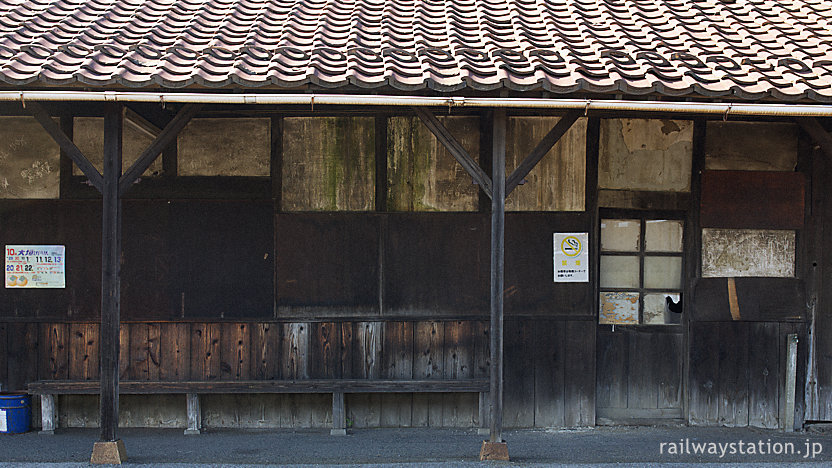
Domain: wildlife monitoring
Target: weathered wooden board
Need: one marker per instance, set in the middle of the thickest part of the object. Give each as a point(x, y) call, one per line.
point(22, 360)
point(529, 269)
point(265, 351)
point(703, 406)
point(752, 200)
point(83, 351)
point(549, 343)
point(759, 299)
point(436, 264)
point(751, 146)
point(518, 374)
point(428, 363)
point(225, 147)
point(579, 374)
point(4, 363)
point(175, 351)
point(235, 351)
point(54, 359)
point(224, 253)
point(74, 224)
point(205, 351)
point(613, 365)
point(748, 252)
point(459, 409)
point(668, 360)
point(29, 160)
point(557, 182)
point(397, 357)
point(421, 174)
point(763, 372)
point(327, 261)
point(328, 164)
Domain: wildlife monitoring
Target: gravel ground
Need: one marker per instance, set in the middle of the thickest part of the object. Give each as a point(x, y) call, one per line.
point(618, 446)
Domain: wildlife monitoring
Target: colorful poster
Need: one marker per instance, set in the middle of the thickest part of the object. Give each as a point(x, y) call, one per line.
point(571, 257)
point(35, 266)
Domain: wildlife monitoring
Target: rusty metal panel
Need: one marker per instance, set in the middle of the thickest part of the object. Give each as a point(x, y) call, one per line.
point(751, 146)
point(641, 154)
point(328, 164)
point(620, 308)
point(422, 175)
point(558, 181)
point(225, 147)
point(750, 199)
point(29, 160)
point(88, 136)
point(747, 252)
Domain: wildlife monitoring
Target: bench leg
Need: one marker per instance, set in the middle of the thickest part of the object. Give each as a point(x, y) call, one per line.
point(48, 414)
point(485, 414)
point(194, 415)
point(339, 420)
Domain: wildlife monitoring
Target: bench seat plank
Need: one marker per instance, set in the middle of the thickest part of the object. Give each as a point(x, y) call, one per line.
point(134, 387)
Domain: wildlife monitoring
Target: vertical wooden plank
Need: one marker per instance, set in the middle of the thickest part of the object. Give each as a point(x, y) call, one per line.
point(174, 351)
point(398, 365)
point(787, 328)
point(480, 368)
point(205, 344)
point(346, 350)
point(428, 364)
point(518, 409)
point(733, 374)
point(22, 358)
point(325, 347)
point(669, 370)
point(124, 350)
point(83, 351)
point(704, 373)
point(763, 366)
point(235, 363)
point(265, 353)
point(138, 369)
point(368, 338)
point(295, 350)
point(613, 350)
point(548, 374)
point(579, 373)
point(154, 346)
point(56, 351)
point(460, 409)
point(4, 370)
point(642, 388)
point(498, 224)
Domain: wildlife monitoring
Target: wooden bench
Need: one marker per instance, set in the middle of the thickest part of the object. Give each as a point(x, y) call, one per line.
point(48, 389)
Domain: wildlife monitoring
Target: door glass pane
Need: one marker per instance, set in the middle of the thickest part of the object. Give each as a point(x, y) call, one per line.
point(656, 310)
point(662, 272)
point(619, 308)
point(619, 272)
point(663, 236)
point(620, 235)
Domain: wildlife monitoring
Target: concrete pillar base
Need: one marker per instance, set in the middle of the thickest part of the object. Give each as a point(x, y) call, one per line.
point(108, 453)
point(494, 451)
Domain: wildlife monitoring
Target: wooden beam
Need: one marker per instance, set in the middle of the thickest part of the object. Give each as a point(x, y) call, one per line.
point(546, 143)
point(161, 142)
point(811, 126)
point(140, 123)
point(66, 144)
point(110, 273)
point(381, 163)
point(455, 148)
point(65, 176)
point(498, 218)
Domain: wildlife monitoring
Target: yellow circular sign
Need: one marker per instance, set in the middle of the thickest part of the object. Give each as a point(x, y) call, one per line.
point(571, 246)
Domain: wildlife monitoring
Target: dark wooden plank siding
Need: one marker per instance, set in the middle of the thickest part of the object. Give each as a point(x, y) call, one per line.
point(752, 199)
point(529, 280)
point(733, 374)
point(704, 374)
point(4, 363)
point(763, 372)
point(579, 374)
point(22, 355)
point(549, 384)
point(175, 351)
point(613, 365)
point(518, 373)
point(265, 351)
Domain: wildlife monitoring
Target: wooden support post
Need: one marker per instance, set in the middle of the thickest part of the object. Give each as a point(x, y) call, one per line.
point(194, 414)
point(791, 378)
point(339, 418)
point(494, 448)
point(110, 273)
point(485, 411)
point(48, 414)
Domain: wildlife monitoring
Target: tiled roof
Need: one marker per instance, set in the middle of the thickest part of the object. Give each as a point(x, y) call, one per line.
point(748, 49)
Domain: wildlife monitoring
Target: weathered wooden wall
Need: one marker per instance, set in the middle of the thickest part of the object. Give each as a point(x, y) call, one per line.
point(549, 365)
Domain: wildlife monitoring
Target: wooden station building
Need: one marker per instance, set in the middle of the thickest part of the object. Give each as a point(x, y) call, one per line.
point(318, 213)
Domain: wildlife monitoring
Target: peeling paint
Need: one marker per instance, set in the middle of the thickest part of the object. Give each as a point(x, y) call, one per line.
point(745, 252)
point(648, 155)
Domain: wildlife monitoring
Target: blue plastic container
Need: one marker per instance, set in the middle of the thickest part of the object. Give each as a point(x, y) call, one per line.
point(15, 413)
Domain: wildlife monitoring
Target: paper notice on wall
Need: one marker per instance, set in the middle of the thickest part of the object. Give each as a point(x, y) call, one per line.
point(35, 266)
point(3, 425)
point(571, 258)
